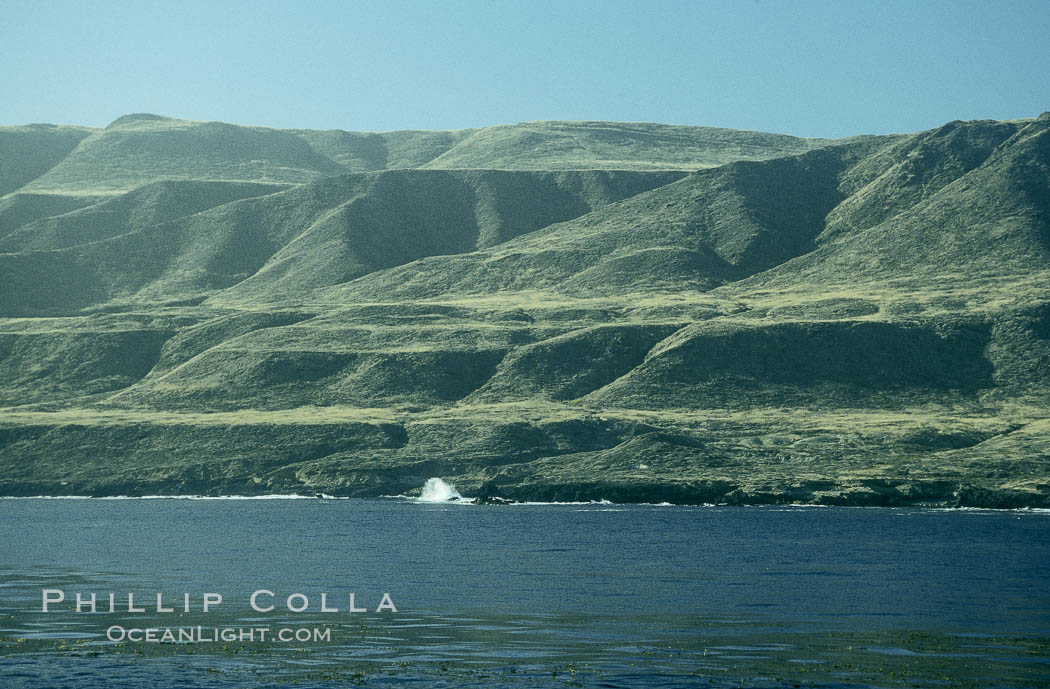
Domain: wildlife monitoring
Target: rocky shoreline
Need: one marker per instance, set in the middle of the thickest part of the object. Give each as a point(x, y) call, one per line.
point(856, 493)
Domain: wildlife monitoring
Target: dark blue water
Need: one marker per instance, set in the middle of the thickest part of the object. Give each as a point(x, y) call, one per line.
point(542, 595)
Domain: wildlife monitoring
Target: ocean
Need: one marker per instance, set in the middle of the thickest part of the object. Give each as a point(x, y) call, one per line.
point(451, 594)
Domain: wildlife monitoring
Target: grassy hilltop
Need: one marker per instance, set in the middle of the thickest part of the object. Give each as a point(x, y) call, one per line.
point(549, 310)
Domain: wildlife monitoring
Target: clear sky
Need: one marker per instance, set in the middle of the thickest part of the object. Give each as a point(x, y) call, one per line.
point(804, 68)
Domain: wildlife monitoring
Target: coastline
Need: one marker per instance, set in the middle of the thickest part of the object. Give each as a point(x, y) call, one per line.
point(867, 493)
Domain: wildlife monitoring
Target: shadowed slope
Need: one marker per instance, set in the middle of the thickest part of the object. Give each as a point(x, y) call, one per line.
point(58, 365)
point(151, 204)
point(990, 220)
point(971, 198)
point(32, 150)
point(711, 227)
point(569, 366)
point(408, 215)
point(845, 363)
point(280, 245)
point(897, 177)
point(182, 259)
point(369, 152)
point(20, 209)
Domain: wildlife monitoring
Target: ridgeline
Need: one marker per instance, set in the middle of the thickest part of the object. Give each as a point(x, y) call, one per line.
point(542, 311)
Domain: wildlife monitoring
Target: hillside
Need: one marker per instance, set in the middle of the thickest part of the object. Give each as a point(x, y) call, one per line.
point(613, 146)
point(550, 310)
point(31, 151)
point(142, 148)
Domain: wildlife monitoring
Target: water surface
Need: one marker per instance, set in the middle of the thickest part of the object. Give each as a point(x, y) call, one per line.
point(531, 595)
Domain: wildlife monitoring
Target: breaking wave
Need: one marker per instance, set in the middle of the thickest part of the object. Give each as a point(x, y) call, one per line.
point(437, 490)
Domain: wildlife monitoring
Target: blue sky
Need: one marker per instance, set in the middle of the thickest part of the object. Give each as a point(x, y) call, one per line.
point(803, 68)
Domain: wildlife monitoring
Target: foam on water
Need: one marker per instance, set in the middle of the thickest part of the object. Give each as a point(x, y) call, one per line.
point(533, 503)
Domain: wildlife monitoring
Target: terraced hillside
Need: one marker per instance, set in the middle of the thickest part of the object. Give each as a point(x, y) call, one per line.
point(551, 310)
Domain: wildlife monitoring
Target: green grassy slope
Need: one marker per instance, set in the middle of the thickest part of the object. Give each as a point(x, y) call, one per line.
point(555, 146)
point(137, 149)
point(755, 319)
point(142, 148)
point(613, 146)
